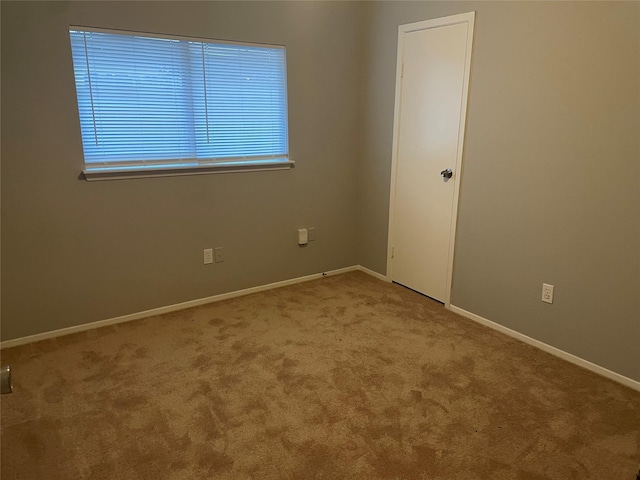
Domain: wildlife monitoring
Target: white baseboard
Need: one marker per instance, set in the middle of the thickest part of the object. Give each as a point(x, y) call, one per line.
point(172, 308)
point(379, 276)
point(549, 349)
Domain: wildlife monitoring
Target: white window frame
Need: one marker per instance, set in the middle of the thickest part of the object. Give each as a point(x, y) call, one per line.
point(133, 168)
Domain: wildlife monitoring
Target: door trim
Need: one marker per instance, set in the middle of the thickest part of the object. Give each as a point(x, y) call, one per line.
point(469, 19)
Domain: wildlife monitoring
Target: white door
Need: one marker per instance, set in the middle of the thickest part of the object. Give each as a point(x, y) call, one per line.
point(431, 96)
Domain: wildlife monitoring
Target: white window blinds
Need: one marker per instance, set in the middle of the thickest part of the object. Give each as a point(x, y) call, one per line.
point(147, 102)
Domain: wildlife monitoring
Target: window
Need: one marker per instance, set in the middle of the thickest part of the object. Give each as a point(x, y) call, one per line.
point(152, 105)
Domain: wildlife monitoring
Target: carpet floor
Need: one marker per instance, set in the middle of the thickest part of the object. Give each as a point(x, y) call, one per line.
point(346, 377)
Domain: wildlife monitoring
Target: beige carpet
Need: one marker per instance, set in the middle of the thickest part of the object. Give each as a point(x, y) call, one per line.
point(346, 377)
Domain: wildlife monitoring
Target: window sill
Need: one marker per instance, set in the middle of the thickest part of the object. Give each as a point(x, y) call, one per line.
point(96, 174)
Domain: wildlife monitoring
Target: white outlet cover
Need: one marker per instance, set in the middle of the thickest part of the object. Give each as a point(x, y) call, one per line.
point(547, 293)
point(303, 236)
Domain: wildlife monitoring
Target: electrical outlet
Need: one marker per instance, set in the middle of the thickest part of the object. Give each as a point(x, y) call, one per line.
point(208, 256)
point(311, 234)
point(547, 293)
point(219, 254)
point(303, 236)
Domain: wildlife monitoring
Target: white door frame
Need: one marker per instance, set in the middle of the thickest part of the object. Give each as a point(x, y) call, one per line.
point(468, 18)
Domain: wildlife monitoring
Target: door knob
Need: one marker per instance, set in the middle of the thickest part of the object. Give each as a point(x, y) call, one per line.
point(446, 174)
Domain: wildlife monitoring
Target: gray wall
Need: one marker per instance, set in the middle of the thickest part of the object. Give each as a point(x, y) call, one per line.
point(75, 252)
point(550, 186)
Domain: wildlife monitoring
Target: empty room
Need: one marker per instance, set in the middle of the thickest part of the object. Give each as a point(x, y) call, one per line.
point(320, 239)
